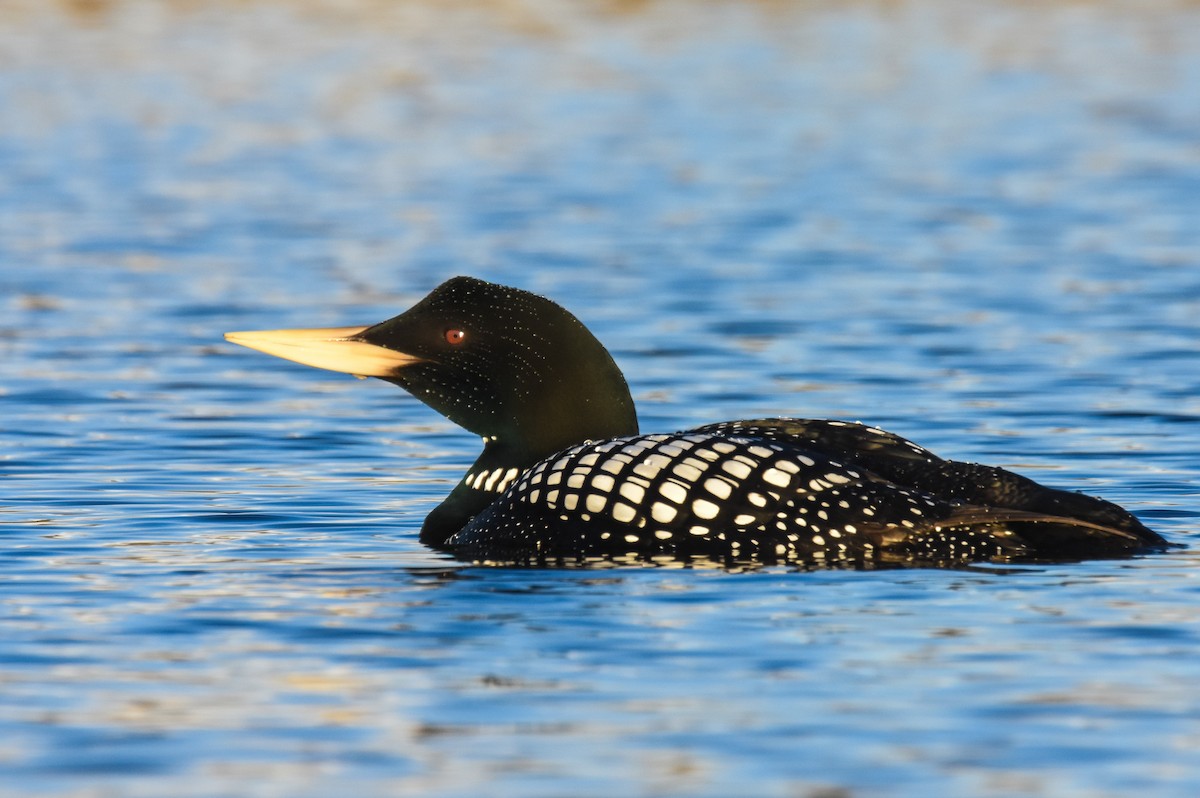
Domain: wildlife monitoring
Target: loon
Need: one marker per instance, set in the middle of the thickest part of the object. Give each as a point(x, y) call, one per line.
point(565, 476)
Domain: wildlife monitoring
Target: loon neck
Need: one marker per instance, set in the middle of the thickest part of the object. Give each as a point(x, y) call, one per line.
point(493, 472)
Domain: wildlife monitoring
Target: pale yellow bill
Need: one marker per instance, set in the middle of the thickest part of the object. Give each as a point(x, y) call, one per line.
point(330, 348)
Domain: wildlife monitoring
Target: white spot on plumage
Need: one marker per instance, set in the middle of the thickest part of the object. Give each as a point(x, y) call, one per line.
point(623, 512)
point(595, 503)
point(603, 483)
point(743, 520)
point(705, 509)
point(718, 487)
point(509, 476)
point(651, 466)
point(673, 491)
point(776, 477)
point(662, 534)
point(635, 493)
point(736, 469)
point(698, 530)
point(662, 513)
point(612, 466)
point(645, 470)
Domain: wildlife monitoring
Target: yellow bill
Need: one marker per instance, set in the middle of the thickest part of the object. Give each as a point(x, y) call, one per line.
point(332, 348)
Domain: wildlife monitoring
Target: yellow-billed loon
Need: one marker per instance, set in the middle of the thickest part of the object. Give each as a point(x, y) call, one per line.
point(565, 476)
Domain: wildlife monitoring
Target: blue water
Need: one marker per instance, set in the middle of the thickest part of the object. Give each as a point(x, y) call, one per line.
point(975, 224)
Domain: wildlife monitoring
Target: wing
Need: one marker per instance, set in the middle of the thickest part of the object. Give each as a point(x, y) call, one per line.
point(903, 462)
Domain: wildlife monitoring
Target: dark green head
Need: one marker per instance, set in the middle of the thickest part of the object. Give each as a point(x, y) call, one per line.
point(508, 365)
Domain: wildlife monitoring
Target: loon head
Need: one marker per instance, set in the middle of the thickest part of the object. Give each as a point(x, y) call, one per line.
point(508, 365)
point(505, 364)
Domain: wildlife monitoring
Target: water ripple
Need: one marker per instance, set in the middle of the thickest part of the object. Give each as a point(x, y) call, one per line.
point(975, 228)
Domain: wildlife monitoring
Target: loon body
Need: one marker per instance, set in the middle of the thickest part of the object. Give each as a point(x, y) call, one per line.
point(565, 476)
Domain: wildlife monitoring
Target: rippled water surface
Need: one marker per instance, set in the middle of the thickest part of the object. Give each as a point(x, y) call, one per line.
point(977, 224)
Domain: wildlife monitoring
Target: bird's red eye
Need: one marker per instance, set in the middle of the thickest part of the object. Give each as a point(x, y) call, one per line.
point(455, 336)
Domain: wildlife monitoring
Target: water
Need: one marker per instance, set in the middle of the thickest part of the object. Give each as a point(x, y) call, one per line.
point(974, 225)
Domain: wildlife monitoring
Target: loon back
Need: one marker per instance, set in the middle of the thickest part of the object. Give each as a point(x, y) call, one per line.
point(766, 492)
